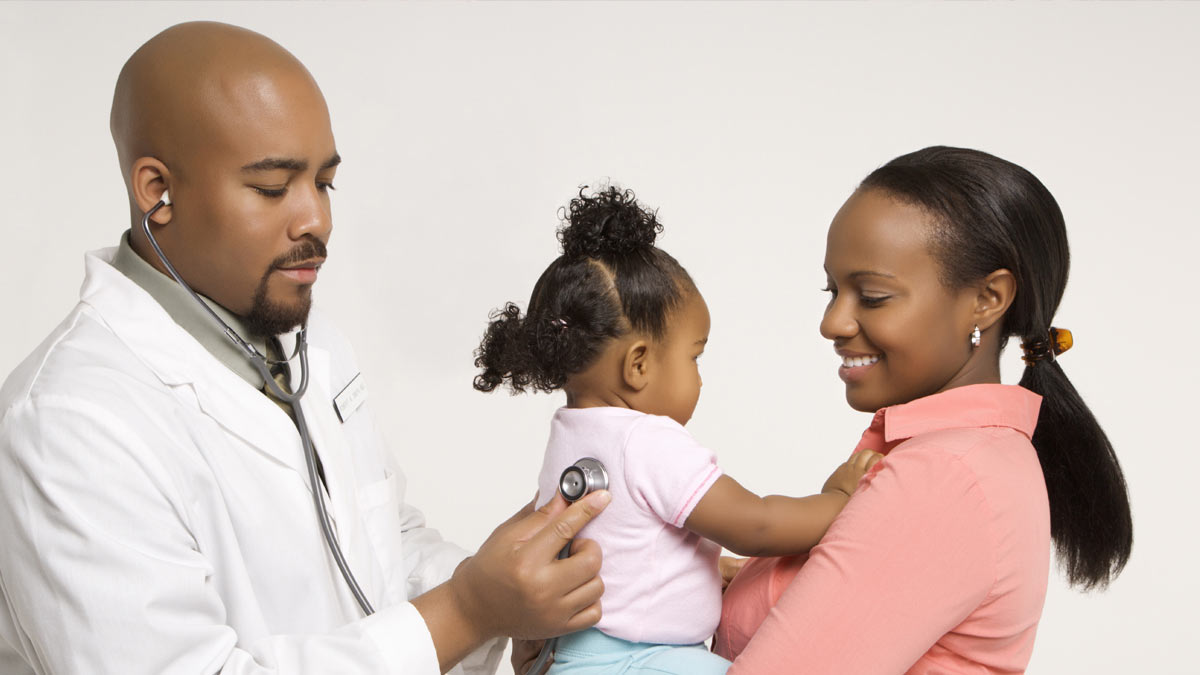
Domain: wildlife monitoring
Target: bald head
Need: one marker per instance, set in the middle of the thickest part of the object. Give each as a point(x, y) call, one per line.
point(193, 83)
point(237, 130)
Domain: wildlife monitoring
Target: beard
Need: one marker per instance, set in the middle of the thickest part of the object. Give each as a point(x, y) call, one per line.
point(268, 318)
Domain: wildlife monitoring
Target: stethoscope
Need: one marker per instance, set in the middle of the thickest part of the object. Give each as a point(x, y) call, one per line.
point(263, 366)
point(584, 476)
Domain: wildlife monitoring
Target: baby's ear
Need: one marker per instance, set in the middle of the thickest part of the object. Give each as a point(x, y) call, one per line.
point(635, 368)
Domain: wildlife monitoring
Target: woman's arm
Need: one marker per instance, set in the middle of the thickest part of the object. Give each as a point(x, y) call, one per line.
point(747, 524)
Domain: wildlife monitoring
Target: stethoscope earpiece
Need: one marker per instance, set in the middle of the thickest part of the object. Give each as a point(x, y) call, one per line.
point(166, 198)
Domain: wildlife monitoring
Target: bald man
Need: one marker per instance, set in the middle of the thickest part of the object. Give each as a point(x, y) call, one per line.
point(156, 507)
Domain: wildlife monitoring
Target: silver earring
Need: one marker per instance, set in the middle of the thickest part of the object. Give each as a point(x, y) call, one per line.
point(976, 337)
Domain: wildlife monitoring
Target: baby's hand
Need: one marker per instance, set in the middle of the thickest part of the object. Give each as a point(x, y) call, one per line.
point(844, 479)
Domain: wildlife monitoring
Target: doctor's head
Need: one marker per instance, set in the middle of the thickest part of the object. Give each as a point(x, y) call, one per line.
point(237, 130)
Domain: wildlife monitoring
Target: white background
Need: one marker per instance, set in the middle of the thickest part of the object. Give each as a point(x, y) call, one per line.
point(465, 126)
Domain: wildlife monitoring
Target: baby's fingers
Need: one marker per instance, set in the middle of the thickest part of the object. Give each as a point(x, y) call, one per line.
point(865, 459)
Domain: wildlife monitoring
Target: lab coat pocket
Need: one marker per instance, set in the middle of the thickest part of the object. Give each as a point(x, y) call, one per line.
point(379, 503)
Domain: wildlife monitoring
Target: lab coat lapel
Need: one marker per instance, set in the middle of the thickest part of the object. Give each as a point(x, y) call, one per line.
point(177, 359)
point(330, 442)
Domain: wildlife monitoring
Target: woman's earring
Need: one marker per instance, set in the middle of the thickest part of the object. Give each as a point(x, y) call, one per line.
point(976, 337)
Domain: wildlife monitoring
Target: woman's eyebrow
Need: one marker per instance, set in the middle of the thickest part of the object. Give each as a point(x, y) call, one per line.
point(870, 273)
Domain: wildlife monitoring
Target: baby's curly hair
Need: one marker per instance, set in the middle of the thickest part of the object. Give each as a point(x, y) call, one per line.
point(609, 280)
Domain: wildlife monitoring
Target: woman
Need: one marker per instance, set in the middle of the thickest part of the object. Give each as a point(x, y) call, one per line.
point(940, 561)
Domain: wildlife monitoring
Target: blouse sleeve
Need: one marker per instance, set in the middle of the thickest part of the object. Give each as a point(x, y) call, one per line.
point(908, 559)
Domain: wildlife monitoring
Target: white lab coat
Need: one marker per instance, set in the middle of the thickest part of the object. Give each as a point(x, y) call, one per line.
point(156, 516)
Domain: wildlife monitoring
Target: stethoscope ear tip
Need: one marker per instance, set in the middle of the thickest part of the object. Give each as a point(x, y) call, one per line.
point(166, 198)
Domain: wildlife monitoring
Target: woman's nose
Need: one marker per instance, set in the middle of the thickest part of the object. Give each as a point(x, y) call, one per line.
point(839, 321)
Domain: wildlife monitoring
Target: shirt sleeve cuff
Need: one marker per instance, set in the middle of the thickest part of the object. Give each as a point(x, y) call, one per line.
point(403, 640)
point(695, 493)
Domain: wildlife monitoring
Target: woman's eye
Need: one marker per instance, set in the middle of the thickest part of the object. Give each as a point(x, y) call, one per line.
point(873, 300)
point(270, 192)
point(830, 290)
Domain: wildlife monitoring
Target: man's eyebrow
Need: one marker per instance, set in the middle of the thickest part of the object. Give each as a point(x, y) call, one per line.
point(276, 163)
point(332, 162)
point(702, 341)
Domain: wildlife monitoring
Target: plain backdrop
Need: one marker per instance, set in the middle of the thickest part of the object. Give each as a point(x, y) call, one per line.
point(464, 127)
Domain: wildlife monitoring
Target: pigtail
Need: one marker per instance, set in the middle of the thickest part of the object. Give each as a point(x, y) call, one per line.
point(1090, 520)
point(503, 352)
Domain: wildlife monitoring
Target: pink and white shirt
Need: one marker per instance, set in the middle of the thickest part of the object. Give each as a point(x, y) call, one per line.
point(661, 583)
point(938, 564)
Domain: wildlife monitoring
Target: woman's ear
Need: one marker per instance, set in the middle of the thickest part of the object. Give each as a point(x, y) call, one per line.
point(995, 296)
point(635, 367)
point(150, 178)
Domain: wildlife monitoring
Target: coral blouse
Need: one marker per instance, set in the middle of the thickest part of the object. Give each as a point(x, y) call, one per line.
point(938, 564)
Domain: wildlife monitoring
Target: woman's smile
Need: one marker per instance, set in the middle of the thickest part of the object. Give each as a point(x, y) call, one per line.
point(855, 365)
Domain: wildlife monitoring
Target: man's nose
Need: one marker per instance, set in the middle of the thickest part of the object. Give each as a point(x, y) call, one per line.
point(312, 215)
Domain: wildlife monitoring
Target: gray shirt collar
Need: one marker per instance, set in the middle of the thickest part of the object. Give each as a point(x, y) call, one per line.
point(184, 310)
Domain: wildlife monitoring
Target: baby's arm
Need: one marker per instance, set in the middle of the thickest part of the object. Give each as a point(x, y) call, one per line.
point(747, 524)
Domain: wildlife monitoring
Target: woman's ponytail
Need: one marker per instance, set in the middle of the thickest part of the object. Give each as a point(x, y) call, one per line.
point(1089, 510)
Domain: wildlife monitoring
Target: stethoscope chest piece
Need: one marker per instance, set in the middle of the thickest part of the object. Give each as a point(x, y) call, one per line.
point(584, 476)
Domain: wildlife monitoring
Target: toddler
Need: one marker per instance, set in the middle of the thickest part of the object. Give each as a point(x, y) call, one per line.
point(618, 325)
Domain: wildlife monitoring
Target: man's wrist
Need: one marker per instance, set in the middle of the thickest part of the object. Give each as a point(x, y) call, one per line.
point(454, 621)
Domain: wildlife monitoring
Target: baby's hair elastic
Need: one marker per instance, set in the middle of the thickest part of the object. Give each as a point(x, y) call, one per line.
point(1055, 342)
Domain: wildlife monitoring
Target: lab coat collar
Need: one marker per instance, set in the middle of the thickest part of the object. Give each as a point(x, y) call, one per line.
point(183, 309)
point(178, 359)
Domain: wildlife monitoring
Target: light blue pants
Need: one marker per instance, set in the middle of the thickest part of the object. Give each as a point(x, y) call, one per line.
point(591, 652)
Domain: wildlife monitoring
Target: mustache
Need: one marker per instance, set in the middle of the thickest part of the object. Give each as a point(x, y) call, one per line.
point(309, 248)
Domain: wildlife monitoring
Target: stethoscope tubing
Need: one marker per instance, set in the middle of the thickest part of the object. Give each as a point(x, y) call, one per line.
point(260, 364)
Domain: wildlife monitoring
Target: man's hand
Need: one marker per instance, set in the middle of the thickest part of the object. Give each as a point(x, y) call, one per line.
point(524, 653)
point(845, 478)
point(516, 586)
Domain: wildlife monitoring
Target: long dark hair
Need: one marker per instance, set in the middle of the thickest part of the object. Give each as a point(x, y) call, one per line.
point(991, 214)
point(609, 280)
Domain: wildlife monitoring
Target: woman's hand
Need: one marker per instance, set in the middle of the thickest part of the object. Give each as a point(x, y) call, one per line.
point(729, 567)
point(524, 653)
point(845, 478)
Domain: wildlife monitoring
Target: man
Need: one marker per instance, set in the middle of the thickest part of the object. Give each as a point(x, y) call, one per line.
point(155, 507)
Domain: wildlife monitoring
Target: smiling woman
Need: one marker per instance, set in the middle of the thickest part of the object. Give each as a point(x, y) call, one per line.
point(943, 553)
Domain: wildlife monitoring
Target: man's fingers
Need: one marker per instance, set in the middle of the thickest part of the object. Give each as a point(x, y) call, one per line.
point(583, 597)
point(564, 526)
point(581, 567)
point(555, 506)
point(585, 618)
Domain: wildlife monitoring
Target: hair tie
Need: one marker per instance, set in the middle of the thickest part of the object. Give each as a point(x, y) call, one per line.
point(1055, 342)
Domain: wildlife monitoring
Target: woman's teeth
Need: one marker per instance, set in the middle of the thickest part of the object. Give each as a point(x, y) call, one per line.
point(857, 361)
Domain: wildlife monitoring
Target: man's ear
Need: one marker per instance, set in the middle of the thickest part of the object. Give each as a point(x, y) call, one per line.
point(996, 293)
point(149, 179)
point(635, 367)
